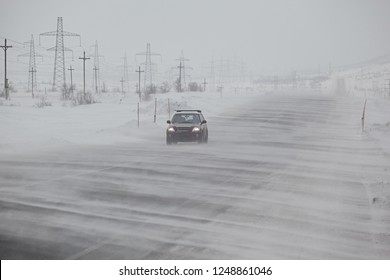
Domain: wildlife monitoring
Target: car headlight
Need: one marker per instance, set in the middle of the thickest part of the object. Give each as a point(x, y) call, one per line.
point(196, 129)
point(171, 129)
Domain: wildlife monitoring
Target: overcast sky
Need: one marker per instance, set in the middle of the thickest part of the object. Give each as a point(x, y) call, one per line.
point(271, 36)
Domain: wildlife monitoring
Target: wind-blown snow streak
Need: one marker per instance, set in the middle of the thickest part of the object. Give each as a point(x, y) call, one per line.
point(285, 177)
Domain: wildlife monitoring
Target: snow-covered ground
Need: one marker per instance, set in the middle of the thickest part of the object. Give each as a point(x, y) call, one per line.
point(286, 175)
point(113, 119)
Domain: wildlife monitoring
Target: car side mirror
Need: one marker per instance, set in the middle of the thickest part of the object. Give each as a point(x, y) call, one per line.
point(168, 122)
point(203, 122)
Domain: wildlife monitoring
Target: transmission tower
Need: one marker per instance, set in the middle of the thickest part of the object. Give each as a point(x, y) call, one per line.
point(32, 79)
point(182, 73)
point(59, 80)
point(243, 71)
point(125, 77)
point(96, 68)
point(181, 67)
point(148, 82)
point(212, 75)
point(224, 70)
point(148, 79)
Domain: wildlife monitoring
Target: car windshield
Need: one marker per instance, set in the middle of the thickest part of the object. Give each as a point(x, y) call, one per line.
point(186, 118)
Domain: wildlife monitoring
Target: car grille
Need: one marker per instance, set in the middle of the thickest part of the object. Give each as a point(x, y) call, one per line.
point(183, 129)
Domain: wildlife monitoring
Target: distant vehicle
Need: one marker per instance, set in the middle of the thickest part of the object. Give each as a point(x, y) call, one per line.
point(187, 126)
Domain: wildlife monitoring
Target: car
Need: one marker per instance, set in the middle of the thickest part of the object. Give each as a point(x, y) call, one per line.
point(187, 126)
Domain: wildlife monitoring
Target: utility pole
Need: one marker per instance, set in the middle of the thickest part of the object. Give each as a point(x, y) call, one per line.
point(220, 88)
point(204, 84)
point(71, 79)
point(122, 81)
point(155, 110)
point(139, 81)
point(276, 82)
point(389, 86)
point(5, 47)
point(84, 59)
point(32, 71)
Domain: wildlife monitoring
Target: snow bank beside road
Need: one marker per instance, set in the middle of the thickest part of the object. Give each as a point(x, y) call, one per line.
point(377, 132)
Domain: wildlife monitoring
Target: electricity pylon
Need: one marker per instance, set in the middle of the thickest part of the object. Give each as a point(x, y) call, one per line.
point(182, 73)
point(243, 71)
point(180, 87)
point(125, 77)
point(224, 70)
point(96, 68)
point(148, 79)
point(212, 75)
point(32, 79)
point(32, 71)
point(59, 80)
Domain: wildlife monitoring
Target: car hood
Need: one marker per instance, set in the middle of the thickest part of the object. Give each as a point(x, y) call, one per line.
point(184, 125)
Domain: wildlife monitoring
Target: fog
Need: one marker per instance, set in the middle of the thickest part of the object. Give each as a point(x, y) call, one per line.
point(271, 37)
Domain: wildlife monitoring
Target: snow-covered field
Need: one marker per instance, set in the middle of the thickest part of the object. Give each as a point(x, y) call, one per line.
point(113, 119)
point(286, 175)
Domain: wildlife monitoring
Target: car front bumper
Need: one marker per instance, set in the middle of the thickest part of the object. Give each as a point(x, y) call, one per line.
point(184, 136)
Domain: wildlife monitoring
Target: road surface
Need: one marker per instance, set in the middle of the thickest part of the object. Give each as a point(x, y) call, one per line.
point(285, 177)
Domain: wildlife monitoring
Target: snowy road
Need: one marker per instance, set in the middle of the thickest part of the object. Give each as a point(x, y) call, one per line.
point(286, 177)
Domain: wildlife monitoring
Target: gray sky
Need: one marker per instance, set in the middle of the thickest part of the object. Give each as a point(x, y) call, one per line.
point(272, 37)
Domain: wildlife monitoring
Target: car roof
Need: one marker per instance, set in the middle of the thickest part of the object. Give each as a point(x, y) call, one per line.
point(192, 111)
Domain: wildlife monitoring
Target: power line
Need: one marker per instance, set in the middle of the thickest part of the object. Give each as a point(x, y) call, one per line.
point(13, 41)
